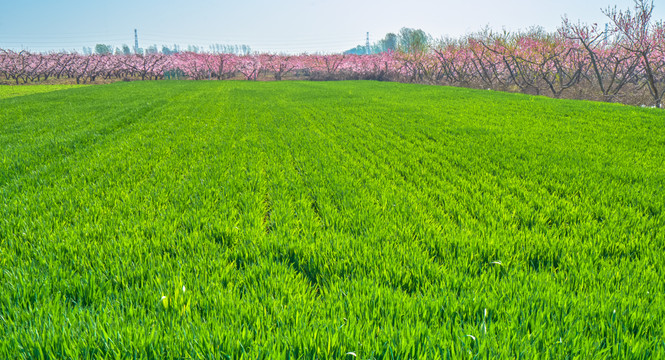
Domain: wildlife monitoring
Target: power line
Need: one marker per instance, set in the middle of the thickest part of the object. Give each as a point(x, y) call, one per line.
point(300, 45)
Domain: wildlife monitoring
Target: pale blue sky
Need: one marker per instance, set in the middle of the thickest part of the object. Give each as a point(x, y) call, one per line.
point(292, 26)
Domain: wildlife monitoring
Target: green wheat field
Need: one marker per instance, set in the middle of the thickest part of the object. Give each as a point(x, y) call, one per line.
point(328, 220)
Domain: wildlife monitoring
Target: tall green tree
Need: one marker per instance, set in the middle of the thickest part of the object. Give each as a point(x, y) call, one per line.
point(102, 49)
point(413, 40)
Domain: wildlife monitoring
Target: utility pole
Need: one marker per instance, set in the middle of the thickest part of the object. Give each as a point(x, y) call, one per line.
point(136, 42)
point(607, 30)
point(367, 44)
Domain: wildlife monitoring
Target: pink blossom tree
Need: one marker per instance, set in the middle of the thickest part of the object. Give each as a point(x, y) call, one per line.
point(611, 67)
point(638, 35)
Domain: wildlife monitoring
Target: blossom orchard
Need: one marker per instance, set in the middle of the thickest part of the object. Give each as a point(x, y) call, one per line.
point(577, 61)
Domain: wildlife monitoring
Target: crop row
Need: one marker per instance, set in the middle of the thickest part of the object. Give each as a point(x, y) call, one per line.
point(316, 219)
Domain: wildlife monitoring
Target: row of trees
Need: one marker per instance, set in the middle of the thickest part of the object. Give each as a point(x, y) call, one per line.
point(103, 49)
point(578, 61)
point(25, 67)
point(407, 40)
